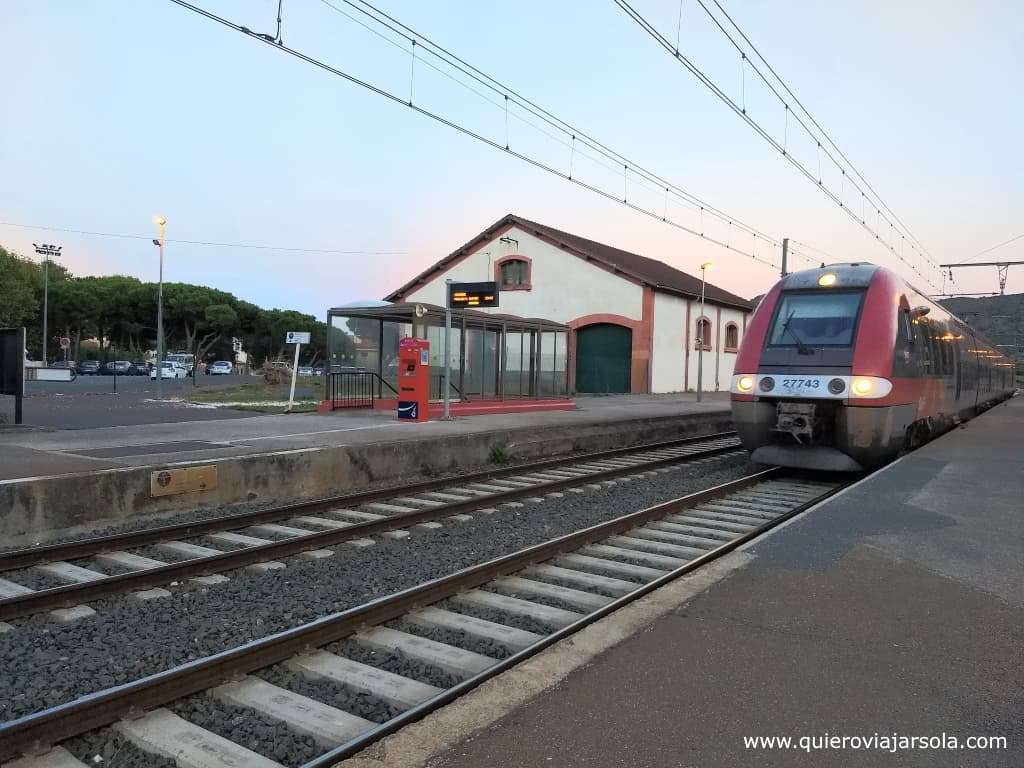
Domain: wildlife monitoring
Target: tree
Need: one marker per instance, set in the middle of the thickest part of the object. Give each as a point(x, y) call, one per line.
point(185, 308)
point(73, 308)
point(220, 319)
point(120, 313)
point(18, 304)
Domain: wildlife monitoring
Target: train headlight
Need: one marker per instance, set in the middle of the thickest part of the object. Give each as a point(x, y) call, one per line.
point(827, 280)
point(836, 386)
point(743, 384)
point(767, 384)
point(862, 386)
point(870, 386)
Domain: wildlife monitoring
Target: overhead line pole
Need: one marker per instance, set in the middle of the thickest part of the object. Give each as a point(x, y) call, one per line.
point(1002, 267)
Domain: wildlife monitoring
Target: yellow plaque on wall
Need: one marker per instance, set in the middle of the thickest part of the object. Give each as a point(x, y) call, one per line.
point(168, 482)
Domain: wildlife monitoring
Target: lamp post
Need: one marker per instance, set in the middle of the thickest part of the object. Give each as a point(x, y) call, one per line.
point(700, 334)
point(47, 251)
point(161, 224)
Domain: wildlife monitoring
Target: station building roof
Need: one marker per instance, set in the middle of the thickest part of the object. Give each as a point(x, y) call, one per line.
point(641, 269)
point(432, 314)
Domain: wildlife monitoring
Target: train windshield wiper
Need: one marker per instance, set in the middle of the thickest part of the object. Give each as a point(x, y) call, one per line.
point(801, 347)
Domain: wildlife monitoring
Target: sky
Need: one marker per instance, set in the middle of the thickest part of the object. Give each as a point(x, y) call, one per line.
point(114, 112)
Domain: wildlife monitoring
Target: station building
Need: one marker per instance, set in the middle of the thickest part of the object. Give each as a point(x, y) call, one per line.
point(633, 321)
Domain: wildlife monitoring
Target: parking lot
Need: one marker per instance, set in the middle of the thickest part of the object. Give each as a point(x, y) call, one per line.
point(112, 401)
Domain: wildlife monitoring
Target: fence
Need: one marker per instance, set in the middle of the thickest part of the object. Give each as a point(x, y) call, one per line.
point(351, 389)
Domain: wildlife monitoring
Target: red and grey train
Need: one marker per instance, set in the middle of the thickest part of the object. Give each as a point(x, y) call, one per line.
point(844, 366)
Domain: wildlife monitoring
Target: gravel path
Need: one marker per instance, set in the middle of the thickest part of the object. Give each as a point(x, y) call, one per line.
point(43, 663)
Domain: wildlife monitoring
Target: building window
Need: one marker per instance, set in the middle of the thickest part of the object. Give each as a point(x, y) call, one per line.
point(732, 337)
point(513, 273)
point(703, 334)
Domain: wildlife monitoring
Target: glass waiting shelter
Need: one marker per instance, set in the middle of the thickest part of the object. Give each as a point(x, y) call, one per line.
point(491, 356)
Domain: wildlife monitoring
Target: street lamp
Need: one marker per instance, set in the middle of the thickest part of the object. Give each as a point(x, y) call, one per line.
point(47, 251)
point(700, 333)
point(161, 224)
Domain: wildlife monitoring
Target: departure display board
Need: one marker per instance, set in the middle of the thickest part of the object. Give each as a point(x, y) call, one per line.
point(472, 295)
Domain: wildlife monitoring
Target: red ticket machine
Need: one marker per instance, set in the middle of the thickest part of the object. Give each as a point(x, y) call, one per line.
point(414, 379)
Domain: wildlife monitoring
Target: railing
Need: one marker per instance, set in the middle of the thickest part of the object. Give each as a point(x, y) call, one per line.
point(437, 387)
point(355, 389)
point(351, 389)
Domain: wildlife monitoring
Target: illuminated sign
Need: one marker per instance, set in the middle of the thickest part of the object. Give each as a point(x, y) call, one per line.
point(473, 295)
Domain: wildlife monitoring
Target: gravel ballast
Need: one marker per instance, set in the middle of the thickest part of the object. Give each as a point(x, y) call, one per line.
point(43, 663)
point(250, 729)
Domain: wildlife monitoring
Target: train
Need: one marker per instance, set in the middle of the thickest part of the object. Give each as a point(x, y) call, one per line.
point(844, 366)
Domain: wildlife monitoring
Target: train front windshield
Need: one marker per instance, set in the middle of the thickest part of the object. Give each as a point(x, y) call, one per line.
point(819, 319)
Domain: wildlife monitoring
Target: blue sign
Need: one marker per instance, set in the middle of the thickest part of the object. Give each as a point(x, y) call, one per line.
point(408, 409)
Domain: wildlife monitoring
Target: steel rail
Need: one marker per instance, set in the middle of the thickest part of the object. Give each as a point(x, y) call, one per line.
point(38, 731)
point(73, 550)
point(424, 708)
point(74, 594)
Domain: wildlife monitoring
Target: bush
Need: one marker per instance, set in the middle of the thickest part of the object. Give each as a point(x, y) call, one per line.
point(500, 454)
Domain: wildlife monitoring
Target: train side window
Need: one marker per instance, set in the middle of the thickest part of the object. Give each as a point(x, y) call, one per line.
point(920, 337)
point(906, 329)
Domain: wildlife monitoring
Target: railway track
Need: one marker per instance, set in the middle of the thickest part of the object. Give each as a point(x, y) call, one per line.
point(107, 566)
point(465, 627)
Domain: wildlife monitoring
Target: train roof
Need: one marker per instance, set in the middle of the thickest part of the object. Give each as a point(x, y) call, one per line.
point(855, 274)
point(859, 274)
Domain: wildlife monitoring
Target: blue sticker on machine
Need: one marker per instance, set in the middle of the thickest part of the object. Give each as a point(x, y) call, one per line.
point(424, 357)
point(408, 409)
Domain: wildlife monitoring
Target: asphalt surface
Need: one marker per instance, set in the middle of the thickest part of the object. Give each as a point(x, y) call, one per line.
point(91, 402)
point(896, 607)
point(31, 453)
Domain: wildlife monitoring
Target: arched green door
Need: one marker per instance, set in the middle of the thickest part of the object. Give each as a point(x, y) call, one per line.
point(603, 355)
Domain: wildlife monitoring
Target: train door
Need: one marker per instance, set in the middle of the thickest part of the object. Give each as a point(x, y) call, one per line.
point(973, 380)
point(958, 372)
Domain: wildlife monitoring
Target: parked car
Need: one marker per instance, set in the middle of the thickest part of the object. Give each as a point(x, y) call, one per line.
point(89, 367)
point(117, 368)
point(70, 364)
point(169, 370)
point(220, 368)
point(139, 368)
point(318, 371)
point(305, 370)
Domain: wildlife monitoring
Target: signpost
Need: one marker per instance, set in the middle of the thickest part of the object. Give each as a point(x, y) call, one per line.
point(298, 338)
point(483, 294)
point(65, 344)
point(12, 366)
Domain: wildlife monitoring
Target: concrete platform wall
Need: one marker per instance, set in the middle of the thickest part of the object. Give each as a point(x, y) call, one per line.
point(33, 509)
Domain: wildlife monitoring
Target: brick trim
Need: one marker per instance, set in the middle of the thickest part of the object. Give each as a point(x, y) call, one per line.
point(727, 348)
point(711, 331)
point(527, 286)
point(640, 357)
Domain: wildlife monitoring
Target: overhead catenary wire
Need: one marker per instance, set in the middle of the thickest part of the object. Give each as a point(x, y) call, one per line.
point(814, 248)
point(570, 131)
point(810, 133)
point(388, 95)
point(610, 164)
point(989, 250)
point(817, 125)
point(252, 246)
point(758, 128)
point(655, 34)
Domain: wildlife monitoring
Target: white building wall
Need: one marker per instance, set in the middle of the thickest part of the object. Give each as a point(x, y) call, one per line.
point(669, 354)
point(565, 286)
point(718, 364)
point(727, 361)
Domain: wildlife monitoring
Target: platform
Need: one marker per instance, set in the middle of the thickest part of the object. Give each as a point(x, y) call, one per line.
point(897, 607)
point(52, 480)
